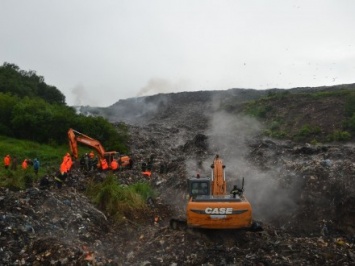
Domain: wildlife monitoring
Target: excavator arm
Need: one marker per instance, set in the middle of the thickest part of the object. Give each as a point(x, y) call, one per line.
point(75, 136)
point(218, 183)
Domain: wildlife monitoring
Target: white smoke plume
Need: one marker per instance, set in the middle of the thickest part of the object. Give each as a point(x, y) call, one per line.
point(81, 96)
point(159, 85)
point(228, 136)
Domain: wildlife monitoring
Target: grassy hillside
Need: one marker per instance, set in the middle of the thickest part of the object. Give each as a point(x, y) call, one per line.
point(49, 157)
point(321, 116)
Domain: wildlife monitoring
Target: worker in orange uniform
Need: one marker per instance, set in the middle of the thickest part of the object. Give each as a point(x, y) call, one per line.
point(104, 165)
point(63, 168)
point(62, 175)
point(114, 165)
point(24, 164)
point(7, 161)
point(68, 162)
point(92, 160)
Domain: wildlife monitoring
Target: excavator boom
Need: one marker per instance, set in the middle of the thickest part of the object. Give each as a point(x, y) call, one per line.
point(76, 137)
point(219, 184)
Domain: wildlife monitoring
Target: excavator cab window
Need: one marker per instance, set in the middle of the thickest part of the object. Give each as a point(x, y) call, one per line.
point(199, 187)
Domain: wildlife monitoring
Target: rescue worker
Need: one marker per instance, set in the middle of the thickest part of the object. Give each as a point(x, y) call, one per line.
point(61, 176)
point(67, 161)
point(86, 160)
point(7, 161)
point(130, 163)
point(144, 166)
point(92, 160)
point(63, 169)
point(59, 180)
point(150, 165)
point(24, 164)
point(114, 165)
point(36, 165)
point(14, 164)
point(104, 165)
point(82, 162)
point(236, 191)
point(94, 163)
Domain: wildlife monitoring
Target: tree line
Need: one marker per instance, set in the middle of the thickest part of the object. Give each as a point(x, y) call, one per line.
point(32, 110)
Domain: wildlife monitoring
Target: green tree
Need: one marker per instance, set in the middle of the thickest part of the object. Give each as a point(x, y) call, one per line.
point(27, 83)
point(6, 106)
point(34, 119)
point(100, 129)
point(29, 119)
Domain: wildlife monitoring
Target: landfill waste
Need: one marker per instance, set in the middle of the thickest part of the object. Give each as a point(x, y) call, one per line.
point(303, 195)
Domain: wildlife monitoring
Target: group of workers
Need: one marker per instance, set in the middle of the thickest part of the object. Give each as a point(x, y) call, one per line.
point(11, 163)
point(88, 161)
point(116, 164)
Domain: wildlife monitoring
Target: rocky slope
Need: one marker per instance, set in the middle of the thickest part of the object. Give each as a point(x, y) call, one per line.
point(302, 193)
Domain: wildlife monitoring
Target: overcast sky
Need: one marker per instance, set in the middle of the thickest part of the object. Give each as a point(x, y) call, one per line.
point(99, 51)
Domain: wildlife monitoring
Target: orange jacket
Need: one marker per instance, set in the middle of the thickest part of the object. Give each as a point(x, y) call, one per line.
point(63, 168)
point(7, 160)
point(66, 156)
point(114, 165)
point(67, 161)
point(104, 164)
point(24, 164)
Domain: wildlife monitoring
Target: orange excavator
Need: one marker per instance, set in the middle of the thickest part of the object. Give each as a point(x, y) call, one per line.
point(210, 206)
point(75, 136)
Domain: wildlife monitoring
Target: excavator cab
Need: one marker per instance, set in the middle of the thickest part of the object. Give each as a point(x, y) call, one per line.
point(210, 206)
point(199, 186)
point(110, 156)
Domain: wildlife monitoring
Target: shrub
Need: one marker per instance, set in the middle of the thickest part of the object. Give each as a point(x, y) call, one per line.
point(258, 111)
point(12, 181)
point(350, 105)
point(339, 135)
point(278, 134)
point(117, 200)
point(307, 131)
point(350, 123)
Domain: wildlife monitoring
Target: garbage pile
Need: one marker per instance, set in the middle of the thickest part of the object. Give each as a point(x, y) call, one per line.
point(50, 226)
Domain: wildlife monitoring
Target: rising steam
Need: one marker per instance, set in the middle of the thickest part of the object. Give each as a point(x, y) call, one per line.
point(159, 85)
point(80, 95)
point(228, 136)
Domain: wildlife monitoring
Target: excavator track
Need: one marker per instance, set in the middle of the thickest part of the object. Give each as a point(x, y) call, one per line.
point(178, 224)
point(181, 225)
point(256, 227)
